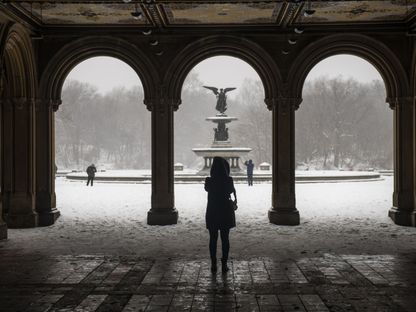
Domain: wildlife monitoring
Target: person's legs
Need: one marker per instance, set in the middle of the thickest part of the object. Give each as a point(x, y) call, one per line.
point(213, 238)
point(92, 180)
point(88, 181)
point(225, 243)
point(251, 180)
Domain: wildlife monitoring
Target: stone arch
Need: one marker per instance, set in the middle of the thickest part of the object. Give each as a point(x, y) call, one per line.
point(241, 48)
point(19, 63)
point(19, 91)
point(72, 54)
point(373, 51)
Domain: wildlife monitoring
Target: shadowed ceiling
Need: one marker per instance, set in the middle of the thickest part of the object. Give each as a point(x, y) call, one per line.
point(212, 13)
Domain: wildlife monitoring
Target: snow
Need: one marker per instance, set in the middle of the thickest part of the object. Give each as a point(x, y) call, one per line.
point(110, 218)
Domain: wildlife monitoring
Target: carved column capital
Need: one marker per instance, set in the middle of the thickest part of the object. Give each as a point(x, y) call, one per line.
point(18, 103)
point(39, 105)
point(395, 102)
point(22, 102)
point(161, 101)
point(55, 104)
point(45, 104)
point(284, 103)
point(162, 104)
point(270, 102)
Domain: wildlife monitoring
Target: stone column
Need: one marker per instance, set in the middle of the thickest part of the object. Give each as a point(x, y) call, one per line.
point(18, 163)
point(283, 210)
point(163, 210)
point(403, 212)
point(3, 225)
point(45, 161)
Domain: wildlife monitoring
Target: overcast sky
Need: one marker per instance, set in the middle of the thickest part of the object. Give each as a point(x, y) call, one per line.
point(221, 71)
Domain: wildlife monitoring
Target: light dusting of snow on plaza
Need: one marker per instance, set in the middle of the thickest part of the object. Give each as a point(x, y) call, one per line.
point(110, 218)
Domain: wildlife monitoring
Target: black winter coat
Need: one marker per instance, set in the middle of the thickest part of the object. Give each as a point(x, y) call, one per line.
point(219, 214)
point(91, 170)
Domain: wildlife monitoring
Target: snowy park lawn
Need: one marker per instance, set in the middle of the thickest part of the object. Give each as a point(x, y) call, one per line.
point(110, 218)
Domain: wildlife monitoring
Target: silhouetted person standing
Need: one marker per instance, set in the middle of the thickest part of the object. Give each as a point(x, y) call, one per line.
point(220, 214)
point(250, 167)
point(91, 170)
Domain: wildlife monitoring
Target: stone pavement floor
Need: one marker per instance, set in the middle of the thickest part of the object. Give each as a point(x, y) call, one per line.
point(103, 283)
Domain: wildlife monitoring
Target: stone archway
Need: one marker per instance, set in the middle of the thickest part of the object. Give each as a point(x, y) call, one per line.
point(18, 129)
point(397, 89)
point(283, 209)
point(52, 80)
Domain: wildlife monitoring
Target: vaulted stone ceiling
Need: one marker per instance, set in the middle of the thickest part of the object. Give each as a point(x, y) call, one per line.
point(214, 13)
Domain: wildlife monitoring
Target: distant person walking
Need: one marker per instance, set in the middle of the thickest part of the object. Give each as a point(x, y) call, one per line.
point(250, 167)
point(91, 170)
point(220, 214)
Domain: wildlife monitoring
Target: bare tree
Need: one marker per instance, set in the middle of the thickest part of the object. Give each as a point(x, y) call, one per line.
point(343, 121)
point(113, 129)
point(254, 128)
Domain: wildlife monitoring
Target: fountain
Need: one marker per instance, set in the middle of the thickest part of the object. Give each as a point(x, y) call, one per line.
point(221, 145)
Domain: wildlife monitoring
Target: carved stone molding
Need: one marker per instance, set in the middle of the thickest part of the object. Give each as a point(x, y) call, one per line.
point(45, 104)
point(162, 105)
point(270, 102)
point(21, 102)
point(284, 103)
point(400, 101)
point(175, 103)
point(55, 104)
point(39, 105)
point(18, 103)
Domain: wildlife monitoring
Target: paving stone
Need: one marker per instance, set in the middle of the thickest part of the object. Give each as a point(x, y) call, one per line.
point(44, 303)
point(114, 303)
point(72, 298)
point(91, 303)
point(137, 303)
point(380, 283)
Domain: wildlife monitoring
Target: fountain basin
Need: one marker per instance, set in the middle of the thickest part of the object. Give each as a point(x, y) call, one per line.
point(221, 151)
point(224, 119)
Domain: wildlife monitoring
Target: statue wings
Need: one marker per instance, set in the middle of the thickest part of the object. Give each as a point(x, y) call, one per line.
point(215, 90)
point(229, 89)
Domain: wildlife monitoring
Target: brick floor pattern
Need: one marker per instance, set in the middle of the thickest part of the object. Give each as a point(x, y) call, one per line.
point(314, 284)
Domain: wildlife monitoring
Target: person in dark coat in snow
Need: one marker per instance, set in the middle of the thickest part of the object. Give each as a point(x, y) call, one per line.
point(91, 170)
point(220, 215)
point(250, 167)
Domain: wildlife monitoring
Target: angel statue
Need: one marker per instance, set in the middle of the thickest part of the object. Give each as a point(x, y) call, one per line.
point(221, 98)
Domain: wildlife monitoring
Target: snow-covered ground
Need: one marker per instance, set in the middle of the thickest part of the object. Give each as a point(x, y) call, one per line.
point(111, 219)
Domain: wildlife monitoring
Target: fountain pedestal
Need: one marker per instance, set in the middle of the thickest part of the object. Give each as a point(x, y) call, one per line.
point(221, 146)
